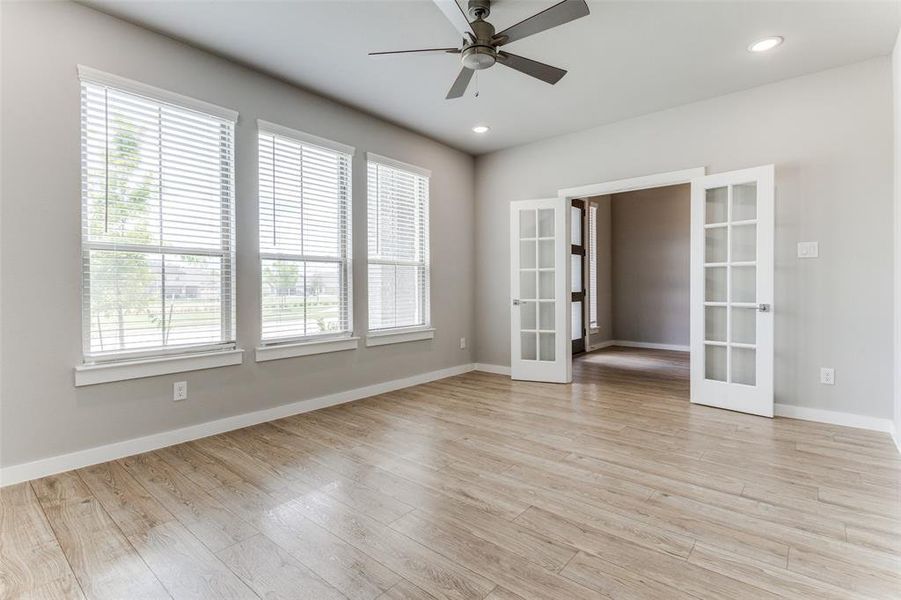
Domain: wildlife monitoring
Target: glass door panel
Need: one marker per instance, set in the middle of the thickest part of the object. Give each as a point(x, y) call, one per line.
point(730, 274)
point(537, 279)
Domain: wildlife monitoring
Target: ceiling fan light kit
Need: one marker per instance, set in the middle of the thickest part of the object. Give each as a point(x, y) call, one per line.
point(480, 49)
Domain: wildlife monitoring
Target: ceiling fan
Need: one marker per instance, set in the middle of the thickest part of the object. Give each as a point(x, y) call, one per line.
point(480, 49)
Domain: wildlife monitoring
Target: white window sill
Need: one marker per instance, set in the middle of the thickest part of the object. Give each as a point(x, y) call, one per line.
point(150, 367)
point(279, 351)
point(397, 336)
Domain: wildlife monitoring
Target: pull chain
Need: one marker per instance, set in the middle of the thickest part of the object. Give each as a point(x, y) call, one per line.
point(477, 85)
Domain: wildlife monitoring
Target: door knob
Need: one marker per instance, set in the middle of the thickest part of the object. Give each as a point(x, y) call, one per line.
point(516, 302)
point(763, 307)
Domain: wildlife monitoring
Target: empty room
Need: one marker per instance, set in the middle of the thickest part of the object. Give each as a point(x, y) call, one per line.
point(450, 299)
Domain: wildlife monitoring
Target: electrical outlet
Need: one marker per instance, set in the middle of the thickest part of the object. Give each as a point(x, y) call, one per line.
point(179, 391)
point(808, 250)
point(827, 376)
point(462, 343)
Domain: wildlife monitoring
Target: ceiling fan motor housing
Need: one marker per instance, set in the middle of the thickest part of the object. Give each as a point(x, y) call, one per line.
point(481, 53)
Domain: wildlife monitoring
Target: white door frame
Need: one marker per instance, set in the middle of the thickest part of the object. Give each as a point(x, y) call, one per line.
point(631, 184)
point(634, 183)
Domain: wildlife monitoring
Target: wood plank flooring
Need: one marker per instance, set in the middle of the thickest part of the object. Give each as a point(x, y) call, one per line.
point(476, 487)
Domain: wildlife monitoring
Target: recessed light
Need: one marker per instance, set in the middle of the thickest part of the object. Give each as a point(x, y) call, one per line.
point(766, 44)
point(481, 129)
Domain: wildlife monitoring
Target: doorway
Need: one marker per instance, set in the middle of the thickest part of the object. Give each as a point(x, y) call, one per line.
point(731, 284)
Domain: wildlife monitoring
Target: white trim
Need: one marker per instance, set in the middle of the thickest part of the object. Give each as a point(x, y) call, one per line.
point(896, 437)
point(303, 137)
point(833, 417)
point(396, 164)
point(651, 345)
point(92, 456)
point(142, 89)
point(599, 345)
point(634, 183)
point(488, 368)
point(279, 351)
point(151, 367)
point(397, 336)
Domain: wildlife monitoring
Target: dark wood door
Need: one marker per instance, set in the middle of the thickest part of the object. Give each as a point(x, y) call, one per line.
point(577, 274)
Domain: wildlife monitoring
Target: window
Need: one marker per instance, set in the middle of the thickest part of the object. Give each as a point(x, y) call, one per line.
point(305, 235)
point(592, 265)
point(157, 221)
point(398, 209)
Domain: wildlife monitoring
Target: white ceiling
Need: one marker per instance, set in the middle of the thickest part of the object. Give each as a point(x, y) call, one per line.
point(624, 59)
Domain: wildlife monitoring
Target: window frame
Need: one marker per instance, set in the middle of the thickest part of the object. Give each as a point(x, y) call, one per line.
point(317, 343)
point(226, 252)
point(592, 266)
point(402, 333)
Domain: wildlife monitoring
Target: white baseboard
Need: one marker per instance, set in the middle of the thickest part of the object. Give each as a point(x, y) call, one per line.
point(92, 456)
point(835, 418)
point(650, 345)
point(487, 368)
point(599, 345)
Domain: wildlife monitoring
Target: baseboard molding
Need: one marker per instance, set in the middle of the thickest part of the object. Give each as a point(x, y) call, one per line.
point(488, 368)
point(835, 418)
point(650, 345)
point(92, 456)
point(599, 345)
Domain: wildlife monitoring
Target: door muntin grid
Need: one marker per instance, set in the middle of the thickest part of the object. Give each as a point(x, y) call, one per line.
point(730, 284)
point(537, 284)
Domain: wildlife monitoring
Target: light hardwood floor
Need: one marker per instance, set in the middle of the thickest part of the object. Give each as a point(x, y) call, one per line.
point(477, 487)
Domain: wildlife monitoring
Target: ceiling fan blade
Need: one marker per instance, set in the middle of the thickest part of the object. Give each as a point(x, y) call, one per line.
point(456, 16)
point(460, 84)
point(536, 69)
point(447, 50)
point(564, 12)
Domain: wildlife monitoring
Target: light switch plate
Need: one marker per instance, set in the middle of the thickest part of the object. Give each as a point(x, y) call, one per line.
point(808, 250)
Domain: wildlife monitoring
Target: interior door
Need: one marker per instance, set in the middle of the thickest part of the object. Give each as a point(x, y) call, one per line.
point(732, 220)
point(540, 347)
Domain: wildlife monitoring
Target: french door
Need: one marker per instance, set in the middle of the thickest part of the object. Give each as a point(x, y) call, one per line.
point(539, 284)
point(732, 220)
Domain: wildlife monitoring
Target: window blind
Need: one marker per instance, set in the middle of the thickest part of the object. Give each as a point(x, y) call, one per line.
point(305, 236)
point(592, 265)
point(157, 226)
point(398, 209)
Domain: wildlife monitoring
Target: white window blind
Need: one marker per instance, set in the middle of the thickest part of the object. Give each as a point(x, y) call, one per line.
point(305, 236)
point(592, 265)
point(157, 225)
point(398, 209)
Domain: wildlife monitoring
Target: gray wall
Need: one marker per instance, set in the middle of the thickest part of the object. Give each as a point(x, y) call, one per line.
point(896, 105)
point(829, 135)
point(42, 413)
point(651, 248)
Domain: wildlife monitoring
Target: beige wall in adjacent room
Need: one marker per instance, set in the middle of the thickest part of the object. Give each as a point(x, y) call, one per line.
point(829, 136)
point(650, 275)
point(42, 414)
